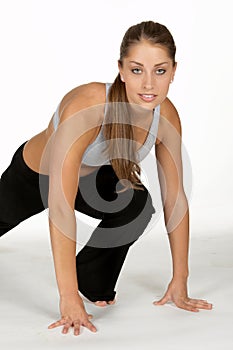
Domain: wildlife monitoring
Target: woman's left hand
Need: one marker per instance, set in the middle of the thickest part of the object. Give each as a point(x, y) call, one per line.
point(177, 293)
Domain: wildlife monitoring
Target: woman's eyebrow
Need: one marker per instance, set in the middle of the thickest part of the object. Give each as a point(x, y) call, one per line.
point(156, 65)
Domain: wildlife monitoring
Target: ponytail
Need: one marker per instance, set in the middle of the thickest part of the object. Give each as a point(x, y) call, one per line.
point(118, 132)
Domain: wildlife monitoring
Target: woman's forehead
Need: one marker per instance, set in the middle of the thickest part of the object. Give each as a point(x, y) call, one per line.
point(144, 51)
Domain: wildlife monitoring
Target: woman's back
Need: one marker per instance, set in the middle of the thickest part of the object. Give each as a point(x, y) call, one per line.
point(81, 97)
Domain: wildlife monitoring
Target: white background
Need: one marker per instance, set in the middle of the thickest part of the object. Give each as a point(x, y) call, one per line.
point(47, 48)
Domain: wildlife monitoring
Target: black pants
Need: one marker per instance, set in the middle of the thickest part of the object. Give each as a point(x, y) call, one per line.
point(124, 217)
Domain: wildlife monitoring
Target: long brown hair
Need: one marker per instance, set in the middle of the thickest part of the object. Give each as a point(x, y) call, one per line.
point(118, 129)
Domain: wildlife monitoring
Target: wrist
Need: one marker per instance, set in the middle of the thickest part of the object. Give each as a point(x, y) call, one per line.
point(180, 277)
point(69, 294)
point(71, 298)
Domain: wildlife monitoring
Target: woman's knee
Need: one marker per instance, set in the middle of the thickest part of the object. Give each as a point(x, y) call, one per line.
point(142, 200)
point(140, 207)
point(124, 226)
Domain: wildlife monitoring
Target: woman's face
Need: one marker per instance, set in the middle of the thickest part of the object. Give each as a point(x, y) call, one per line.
point(147, 72)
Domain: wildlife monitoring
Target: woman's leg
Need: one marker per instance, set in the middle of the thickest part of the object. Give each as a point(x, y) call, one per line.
point(124, 218)
point(20, 192)
point(24, 193)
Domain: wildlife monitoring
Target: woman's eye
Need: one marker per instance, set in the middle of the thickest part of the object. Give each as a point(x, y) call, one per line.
point(136, 70)
point(160, 71)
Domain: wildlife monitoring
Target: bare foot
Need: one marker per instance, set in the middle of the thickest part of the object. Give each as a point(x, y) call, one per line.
point(100, 303)
point(104, 303)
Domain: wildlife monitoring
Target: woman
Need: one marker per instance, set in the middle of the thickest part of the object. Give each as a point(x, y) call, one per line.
point(88, 159)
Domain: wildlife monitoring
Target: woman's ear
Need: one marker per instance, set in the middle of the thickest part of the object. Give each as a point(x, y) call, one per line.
point(120, 71)
point(174, 71)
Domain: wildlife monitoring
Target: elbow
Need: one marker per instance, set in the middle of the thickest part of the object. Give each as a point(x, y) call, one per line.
point(175, 200)
point(60, 212)
point(175, 204)
point(62, 221)
point(175, 211)
point(58, 204)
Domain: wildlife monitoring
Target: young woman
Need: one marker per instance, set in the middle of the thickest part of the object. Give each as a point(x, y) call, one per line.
point(88, 159)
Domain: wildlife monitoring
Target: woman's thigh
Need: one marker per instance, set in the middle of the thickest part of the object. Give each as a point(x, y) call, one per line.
point(124, 216)
point(96, 191)
point(23, 192)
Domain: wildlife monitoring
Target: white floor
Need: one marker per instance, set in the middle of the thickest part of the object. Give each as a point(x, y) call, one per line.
point(29, 299)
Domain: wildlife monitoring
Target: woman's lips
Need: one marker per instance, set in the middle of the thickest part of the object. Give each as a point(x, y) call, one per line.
point(147, 97)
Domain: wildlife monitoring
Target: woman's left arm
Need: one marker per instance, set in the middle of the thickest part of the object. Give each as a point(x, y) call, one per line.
point(176, 211)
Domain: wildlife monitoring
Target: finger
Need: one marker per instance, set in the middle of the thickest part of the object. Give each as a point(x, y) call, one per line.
point(161, 301)
point(66, 327)
point(199, 304)
point(76, 328)
point(186, 306)
point(90, 326)
point(57, 324)
point(198, 300)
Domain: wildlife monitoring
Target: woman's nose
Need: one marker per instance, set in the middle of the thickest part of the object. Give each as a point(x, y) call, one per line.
point(148, 83)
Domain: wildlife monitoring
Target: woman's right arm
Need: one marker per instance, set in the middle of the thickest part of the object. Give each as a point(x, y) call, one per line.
point(68, 144)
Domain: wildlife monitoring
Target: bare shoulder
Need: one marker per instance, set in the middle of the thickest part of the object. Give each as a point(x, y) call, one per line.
point(170, 113)
point(169, 119)
point(81, 98)
point(80, 119)
point(93, 90)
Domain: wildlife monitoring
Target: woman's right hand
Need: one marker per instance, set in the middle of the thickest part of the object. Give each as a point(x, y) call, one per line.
point(73, 314)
